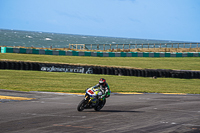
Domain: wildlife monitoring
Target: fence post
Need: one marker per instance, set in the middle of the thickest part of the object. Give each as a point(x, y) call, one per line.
point(160, 45)
point(148, 45)
point(135, 45)
point(142, 45)
point(97, 46)
point(190, 45)
point(154, 45)
point(178, 45)
point(172, 45)
point(123, 46)
point(117, 46)
point(91, 47)
point(129, 46)
point(76, 46)
point(184, 45)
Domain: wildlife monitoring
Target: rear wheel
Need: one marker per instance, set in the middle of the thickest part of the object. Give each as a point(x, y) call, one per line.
point(81, 105)
point(100, 105)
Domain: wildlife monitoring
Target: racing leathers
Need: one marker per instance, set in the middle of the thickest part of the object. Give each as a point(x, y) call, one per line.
point(104, 89)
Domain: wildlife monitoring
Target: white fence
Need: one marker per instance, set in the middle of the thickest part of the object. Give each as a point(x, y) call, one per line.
point(133, 46)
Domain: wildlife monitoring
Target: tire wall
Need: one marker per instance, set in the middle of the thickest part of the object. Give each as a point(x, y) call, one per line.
point(49, 67)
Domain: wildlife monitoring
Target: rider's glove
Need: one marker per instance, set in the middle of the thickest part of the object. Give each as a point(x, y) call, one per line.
point(107, 96)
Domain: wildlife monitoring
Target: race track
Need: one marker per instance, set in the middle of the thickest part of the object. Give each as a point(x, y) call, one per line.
point(142, 113)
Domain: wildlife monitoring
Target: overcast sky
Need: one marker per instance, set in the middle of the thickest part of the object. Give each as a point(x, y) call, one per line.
point(177, 20)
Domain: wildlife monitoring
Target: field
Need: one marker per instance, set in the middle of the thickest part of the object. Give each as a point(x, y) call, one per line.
point(73, 82)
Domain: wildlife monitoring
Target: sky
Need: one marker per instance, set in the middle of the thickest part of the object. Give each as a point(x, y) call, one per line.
point(175, 20)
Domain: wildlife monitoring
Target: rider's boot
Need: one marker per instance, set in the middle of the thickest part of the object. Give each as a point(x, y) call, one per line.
point(97, 102)
point(94, 103)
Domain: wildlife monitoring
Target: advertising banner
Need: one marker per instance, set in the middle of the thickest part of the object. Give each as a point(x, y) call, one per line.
point(73, 69)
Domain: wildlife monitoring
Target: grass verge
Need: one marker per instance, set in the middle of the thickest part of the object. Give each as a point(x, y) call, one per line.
point(74, 82)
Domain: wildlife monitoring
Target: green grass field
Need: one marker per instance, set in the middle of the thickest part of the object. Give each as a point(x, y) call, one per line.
point(180, 63)
point(74, 82)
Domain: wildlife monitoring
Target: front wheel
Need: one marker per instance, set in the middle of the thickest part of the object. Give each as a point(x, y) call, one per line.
point(81, 105)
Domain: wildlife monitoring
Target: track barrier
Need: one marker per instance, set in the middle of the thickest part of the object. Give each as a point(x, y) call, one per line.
point(50, 67)
point(97, 54)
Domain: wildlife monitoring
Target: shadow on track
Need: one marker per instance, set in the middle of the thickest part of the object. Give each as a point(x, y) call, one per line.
point(120, 111)
point(114, 111)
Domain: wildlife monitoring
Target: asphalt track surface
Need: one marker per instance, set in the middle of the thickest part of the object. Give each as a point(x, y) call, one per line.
point(57, 113)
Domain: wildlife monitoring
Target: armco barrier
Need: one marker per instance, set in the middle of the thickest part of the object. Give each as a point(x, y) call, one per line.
point(98, 54)
point(49, 67)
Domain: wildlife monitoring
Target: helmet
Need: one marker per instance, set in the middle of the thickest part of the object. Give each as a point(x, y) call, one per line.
point(102, 82)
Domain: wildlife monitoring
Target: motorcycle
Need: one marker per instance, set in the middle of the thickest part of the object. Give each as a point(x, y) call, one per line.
point(92, 100)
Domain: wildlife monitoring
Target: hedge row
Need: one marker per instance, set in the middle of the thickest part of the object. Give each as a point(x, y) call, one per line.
point(105, 70)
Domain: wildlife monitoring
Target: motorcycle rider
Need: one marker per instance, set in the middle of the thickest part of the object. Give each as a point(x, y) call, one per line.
point(105, 91)
point(104, 88)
